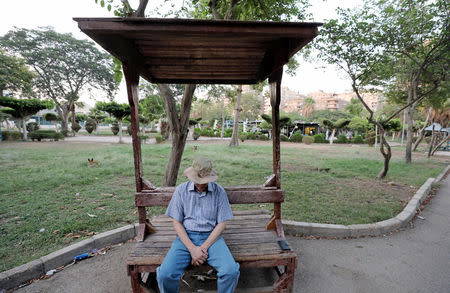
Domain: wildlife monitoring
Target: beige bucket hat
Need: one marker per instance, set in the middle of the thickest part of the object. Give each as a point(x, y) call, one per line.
point(201, 171)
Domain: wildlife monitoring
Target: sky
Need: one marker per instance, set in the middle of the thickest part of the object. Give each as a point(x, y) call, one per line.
point(310, 77)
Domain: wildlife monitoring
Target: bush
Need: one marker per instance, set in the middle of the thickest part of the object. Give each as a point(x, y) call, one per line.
point(251, 135)
point(45, 134)
point(76, 126)
point(144, 137)
point(284, 137)
point(341, 139)
point(159, 138)
point(296, 137)
point(370, 137)
point(65, 132)
point(308, 139)
point(428, 139)
point(242, 137)
point(319, 138)
point(11, 135)
point(358, 139)
point(196, 134)
point(32, 126)
point(261, 136)
point(129, 130)
point(228, 132)
point(90, 125)
point(115, 128)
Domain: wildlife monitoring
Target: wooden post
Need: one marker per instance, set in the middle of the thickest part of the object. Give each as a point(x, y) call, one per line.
point(275, 98)
point(132, 81)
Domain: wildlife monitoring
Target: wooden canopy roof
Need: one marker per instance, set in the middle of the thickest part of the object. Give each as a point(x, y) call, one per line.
point(200, 51)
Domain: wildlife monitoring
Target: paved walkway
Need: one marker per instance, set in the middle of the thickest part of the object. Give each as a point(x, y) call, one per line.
point(412, 260)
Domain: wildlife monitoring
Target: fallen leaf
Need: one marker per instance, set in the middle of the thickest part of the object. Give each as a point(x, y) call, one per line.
point(90, 234)
point(68, 234)
point(76, 236)
point(92, 216)
point(56, 231)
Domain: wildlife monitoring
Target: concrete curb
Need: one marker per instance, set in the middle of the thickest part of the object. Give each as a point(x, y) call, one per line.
point(375, 229)
point(37, 268)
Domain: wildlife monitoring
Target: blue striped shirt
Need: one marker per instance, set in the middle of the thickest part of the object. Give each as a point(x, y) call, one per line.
point(199, 212)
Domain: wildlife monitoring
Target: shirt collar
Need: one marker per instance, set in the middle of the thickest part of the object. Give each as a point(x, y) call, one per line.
point(191, 187)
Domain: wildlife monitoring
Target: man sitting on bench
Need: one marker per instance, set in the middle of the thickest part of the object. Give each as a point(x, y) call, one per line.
point(199, 209)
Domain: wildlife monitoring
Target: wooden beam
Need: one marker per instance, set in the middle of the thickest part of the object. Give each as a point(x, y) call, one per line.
point(144, 199)
point(275, 98)
point(132, 82)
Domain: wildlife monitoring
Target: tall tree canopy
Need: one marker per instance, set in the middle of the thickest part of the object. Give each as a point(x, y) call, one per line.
point(118, 111)
point(63, 65)
point(14, 75)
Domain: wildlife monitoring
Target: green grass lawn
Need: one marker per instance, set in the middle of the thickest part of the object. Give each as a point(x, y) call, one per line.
point(50, 197)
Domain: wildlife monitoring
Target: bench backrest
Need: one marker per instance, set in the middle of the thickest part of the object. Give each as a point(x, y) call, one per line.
point(236, 195)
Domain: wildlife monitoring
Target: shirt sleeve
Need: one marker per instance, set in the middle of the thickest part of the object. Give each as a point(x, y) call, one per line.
point(175, 208)
point(224, 212)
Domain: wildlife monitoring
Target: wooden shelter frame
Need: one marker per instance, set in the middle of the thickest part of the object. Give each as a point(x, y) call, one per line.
point(203, 51)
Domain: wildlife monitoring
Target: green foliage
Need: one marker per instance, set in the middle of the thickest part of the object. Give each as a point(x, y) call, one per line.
point(370, 137)
point(65, 132)
point(45, 134)
point(97, 115)
point(65, 65)
point(296, 137)
point(159, 138)
point(355, 107)
point(32, 126)
point(115, 128)
point(393, 125)
point(196, 134)
point(251, 106)
point(14, 75)
point(284, 137)
point(23, 108)
point(90, 125)
point(359, 124)
point(265, 125)
point(129, 130)
point(319, 138)
point(228, 132)
point(51, 117)
point(358, 139)
point(76, 127)
point(118, 111)
point(80, 117)
point(11, 135)
point(308, 139)
point(151, 107)
point(242, 136)
point(320, 115)
point(341, 139)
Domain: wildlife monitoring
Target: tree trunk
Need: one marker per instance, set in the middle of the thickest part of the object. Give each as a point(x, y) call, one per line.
point(179, 125)
point(409, 133)
point(439, 144)
point(120, 131)
point(385, 152)
point(422, 131)
point(235, 136)
point(431, 142)
point(24, 124)
point(332, 136)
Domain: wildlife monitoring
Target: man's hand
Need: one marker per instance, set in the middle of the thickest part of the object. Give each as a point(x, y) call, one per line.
point(198, 255)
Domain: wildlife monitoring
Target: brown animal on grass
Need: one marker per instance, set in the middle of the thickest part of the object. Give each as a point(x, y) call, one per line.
point(92, 162)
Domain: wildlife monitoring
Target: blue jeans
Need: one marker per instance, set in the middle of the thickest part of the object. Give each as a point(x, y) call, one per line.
point(179, 257)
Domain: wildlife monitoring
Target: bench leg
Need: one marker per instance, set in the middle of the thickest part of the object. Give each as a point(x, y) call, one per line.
point(285, 283)
point(134, 276)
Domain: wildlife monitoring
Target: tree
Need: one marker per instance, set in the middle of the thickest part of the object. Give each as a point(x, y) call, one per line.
point(151, 108)
point(335, 126)
point(98, 116)
point(23, 109)
point(63, 65)
point(14, 75)
point(359, 124)
point(118, 111)
point(354, 107)
point(308, 106)
point(417, 33)
point(53, 118)
point(356, 43)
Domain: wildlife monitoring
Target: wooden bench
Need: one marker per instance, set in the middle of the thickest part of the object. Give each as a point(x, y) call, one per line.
point(252, 236)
